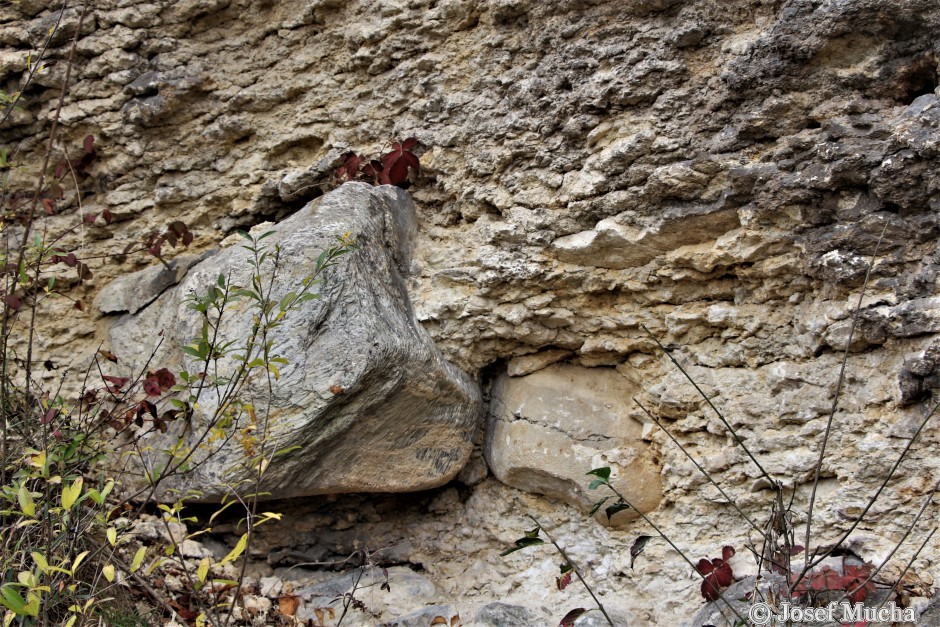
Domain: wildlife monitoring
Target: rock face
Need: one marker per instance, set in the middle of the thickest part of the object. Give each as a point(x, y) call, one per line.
point(722, 173)
point(367, 399)
point(546, 430)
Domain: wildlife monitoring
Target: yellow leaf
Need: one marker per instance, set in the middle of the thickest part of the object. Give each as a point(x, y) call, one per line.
point(40, 561)
point(112, 536)
point(70, 621)
point(70, 494)
point(238, 550)
point(203, 570)
point(78, 560)
point(138, 558)
point(108, 572)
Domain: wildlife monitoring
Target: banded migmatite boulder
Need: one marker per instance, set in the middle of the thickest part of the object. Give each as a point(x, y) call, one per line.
point(366, 399)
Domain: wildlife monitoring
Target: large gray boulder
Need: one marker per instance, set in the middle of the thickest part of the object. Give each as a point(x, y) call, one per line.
point(366, 396)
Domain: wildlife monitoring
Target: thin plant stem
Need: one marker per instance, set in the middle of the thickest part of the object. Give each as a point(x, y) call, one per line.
point(721, 416)
point(871, 501)
point(907, 567)
point(576, 569)
point(835, 400)
point(702, 470)
point(897, 545)
point(663, 535)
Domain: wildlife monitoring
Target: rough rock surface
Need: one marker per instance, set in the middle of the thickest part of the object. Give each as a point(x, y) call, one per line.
point(365, 397)
point(546, 430)
point(721, 173)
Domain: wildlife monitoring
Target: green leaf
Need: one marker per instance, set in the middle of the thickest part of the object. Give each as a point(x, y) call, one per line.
point(191, 350)
point(287, 301)
point(221, 281)
point(601, 473)
point(616, 508)
point(238, 550)
point(597, 483)
point(522, 543)
point(12, 600)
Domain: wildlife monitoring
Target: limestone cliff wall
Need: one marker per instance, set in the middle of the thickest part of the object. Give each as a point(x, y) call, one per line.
point(720, 173)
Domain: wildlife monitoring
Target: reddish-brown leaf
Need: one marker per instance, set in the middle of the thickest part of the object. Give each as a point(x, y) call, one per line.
point(288, 605)
point(563, 581)
point(151, 387)
point(571, 617)
point(88, 145)
point(13, 302)
point(164, 378)
point(108, 355)
point(116, 382)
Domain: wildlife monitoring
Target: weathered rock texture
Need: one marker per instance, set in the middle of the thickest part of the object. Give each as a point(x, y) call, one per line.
point(718, 172)
point(366, 399)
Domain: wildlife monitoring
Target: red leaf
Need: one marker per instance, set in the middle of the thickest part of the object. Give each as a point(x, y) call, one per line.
point(409, 143)
point(825, 579)
point(571, 617)
point(710, 590)
point(151, 387)
point(704, 566)
point(60, 170)
point(723, 575)
point(164, 378)
point(116, 382)
point(398, 161)
point(89, 144)
point(49, 205)
point(49, 416)
point(727, 553)
point(350, 167)
point(108, 216)
point(90, 217)
point(563, 581)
